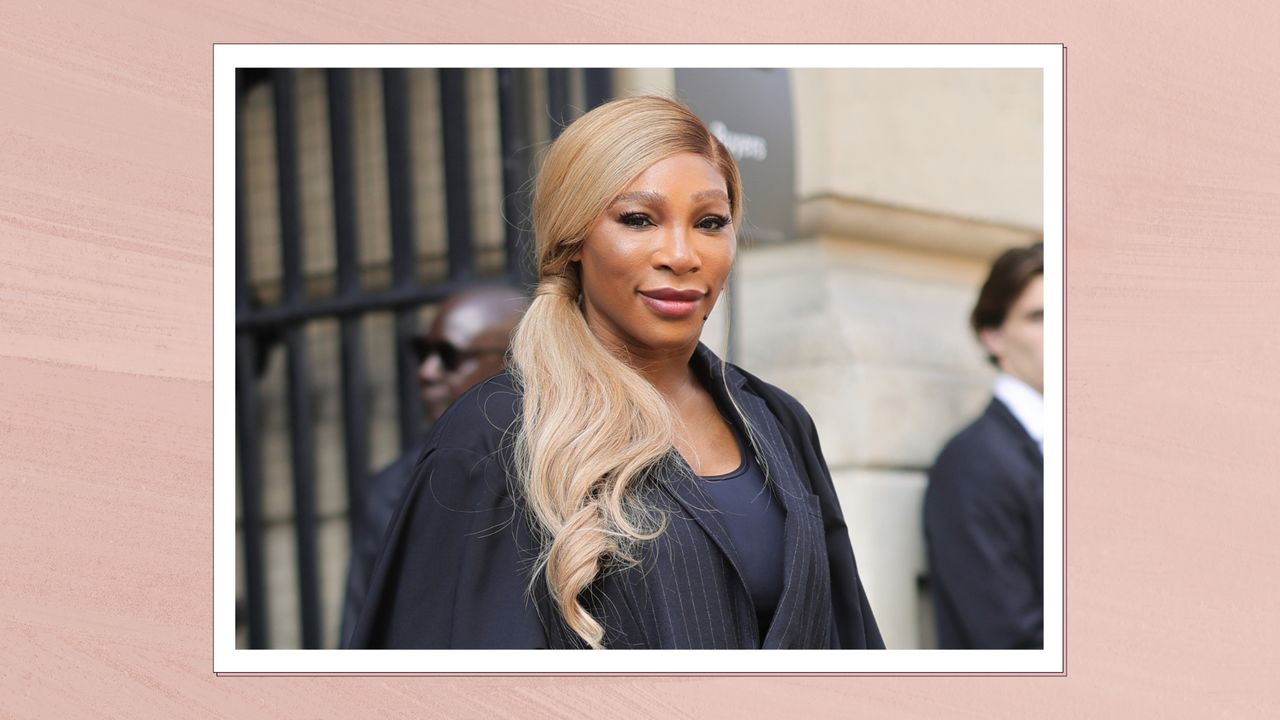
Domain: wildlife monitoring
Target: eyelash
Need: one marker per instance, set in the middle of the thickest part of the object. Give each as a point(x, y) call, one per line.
point(629, 218)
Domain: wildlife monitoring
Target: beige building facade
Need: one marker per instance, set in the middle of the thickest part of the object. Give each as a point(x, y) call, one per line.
point(909, 182)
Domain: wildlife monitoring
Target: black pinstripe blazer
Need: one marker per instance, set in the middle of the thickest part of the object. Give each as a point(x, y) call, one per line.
point(456, 566)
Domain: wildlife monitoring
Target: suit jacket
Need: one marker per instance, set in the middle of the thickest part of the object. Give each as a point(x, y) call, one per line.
point(456, 569)
point(984, 524)
point(380, 497)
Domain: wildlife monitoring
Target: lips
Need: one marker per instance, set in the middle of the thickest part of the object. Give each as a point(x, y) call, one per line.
point(672, 302)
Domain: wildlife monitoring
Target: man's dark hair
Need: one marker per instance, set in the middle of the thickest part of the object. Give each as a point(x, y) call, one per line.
point(1010, 275)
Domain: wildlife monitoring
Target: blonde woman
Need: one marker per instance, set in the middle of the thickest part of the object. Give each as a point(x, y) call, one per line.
point(619, 486)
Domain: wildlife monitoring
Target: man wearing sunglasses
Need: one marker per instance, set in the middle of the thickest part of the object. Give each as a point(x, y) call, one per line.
point(466, 343)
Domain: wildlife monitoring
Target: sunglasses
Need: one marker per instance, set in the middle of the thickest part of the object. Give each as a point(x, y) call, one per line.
point(450, 355)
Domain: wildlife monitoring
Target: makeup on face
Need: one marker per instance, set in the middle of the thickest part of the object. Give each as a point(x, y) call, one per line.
point(656, 260)
point(671, 302)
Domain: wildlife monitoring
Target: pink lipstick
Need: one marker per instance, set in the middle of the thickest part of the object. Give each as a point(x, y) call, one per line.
point(672, 303)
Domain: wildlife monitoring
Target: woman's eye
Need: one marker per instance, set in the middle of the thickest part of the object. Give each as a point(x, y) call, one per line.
point(634, 219)
point(713, 222)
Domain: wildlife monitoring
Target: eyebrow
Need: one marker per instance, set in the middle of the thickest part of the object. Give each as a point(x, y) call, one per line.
point(655, 197)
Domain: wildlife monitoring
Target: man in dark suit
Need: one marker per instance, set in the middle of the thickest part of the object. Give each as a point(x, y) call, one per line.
point(984, 507)
point(465, 344)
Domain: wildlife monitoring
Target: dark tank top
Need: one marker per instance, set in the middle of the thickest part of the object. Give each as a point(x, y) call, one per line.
point(755, 520)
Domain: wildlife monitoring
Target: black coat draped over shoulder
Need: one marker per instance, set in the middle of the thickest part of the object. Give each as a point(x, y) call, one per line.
point(456, 565)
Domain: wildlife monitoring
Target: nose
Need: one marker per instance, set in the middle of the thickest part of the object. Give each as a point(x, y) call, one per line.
point(431, 370)
point(677, 252)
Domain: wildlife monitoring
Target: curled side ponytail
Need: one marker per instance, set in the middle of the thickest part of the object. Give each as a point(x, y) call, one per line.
point(592, 428)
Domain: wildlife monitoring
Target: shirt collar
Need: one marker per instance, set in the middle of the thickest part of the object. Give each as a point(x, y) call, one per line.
point(1024, 402)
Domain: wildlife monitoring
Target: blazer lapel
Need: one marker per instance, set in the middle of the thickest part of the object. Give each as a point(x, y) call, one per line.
point(1006, 418)
point(687, 490)
point(790, 617)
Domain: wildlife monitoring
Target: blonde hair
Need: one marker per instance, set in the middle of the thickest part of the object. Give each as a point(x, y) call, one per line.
point(592, 428)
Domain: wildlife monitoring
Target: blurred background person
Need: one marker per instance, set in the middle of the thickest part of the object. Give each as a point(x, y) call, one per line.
point(466, 343)
point(984, 506)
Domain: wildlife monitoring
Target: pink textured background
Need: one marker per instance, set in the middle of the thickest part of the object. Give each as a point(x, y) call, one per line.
point(106, 371)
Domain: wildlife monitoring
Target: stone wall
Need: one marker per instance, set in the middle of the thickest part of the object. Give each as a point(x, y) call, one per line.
point(909, 183)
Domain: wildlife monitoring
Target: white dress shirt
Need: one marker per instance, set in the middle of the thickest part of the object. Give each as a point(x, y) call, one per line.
point(1025, 403)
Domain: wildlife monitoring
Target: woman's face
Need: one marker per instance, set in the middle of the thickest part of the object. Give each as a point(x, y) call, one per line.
point(655, 261)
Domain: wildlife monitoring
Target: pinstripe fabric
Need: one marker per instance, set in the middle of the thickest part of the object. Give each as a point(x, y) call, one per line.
point(686, 590)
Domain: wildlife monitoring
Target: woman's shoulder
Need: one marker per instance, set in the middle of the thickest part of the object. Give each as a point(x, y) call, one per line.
point(465, 463)
point(481, 420)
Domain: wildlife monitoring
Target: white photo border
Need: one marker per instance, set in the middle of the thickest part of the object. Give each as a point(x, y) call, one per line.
point(227, 658)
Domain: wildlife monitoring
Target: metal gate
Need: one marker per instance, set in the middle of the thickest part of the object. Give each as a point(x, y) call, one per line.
point(310, 258)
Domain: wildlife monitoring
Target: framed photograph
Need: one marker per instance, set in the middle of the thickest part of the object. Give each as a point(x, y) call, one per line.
point(361, 190)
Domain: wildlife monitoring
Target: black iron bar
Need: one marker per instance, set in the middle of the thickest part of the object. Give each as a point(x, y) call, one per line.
point(395, 100)
point(597, 86)
point(514, 174)
point(457, 171)
point(355, 410)
point(558, 99)
point(302, 442)
point(391, 298)
point(249, 488)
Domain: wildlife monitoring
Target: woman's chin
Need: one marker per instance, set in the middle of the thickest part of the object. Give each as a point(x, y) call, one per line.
point(676, 339)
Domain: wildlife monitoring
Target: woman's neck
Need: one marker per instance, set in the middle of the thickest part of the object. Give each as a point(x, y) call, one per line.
point(667, 369)
point(669, 372)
